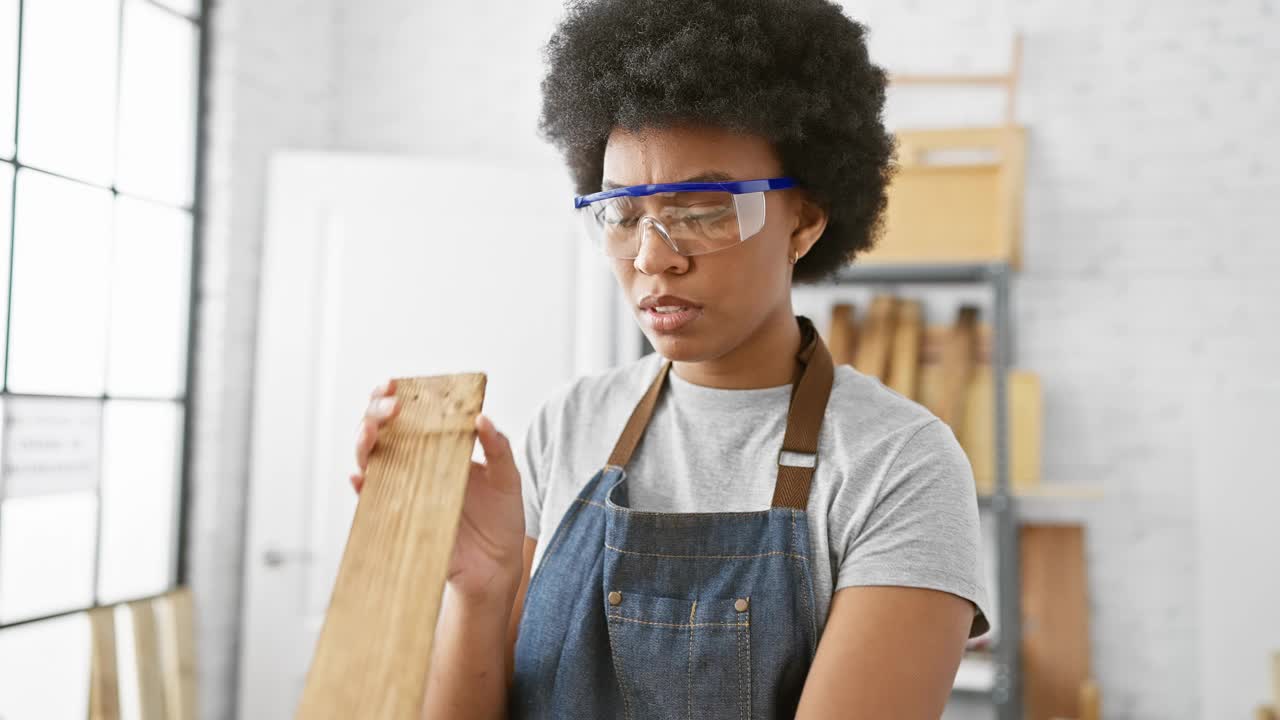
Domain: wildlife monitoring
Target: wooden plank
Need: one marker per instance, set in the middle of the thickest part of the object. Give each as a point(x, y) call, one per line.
point(177, 651)
point(876, 337)
point(904, 365)
point(372, 657)
point(840, 333)
point(957, 368)
point(147, 660)
point(1026, 417)
point(1055, 620)
point(104, 682)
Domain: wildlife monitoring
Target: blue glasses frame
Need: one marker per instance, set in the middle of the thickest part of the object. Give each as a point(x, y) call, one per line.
point(737, 187)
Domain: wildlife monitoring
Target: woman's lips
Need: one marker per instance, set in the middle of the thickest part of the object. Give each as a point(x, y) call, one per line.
point(665, 319)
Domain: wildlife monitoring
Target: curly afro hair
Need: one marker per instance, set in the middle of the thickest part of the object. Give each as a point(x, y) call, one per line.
point(795, 72)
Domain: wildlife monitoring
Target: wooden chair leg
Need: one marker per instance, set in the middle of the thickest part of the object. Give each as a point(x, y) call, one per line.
point(104, 685)
point(146, 648)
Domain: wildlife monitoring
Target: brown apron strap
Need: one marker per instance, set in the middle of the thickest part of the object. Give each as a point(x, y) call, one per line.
point(799, 453)
point(639, 420)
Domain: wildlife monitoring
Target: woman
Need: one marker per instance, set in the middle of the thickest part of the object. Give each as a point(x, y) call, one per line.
point(728, 527)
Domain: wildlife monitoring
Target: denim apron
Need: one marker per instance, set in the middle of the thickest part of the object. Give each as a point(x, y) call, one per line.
point(637, 614)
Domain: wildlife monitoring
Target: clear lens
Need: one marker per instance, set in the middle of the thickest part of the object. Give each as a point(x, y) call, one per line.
point(692, 223)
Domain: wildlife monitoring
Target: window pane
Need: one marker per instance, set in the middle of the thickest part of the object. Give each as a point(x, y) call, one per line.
point(157, 104)
point(141, 450)
point(44, 669)
point(46, 554)
point(67, 113)
point(6, 206)
point(8, 73)
point(51, 445)
point(61, 258)
point(149, 300)
point(190, 8)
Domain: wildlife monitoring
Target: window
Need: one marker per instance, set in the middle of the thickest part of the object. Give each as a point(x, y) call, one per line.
point(98, 113)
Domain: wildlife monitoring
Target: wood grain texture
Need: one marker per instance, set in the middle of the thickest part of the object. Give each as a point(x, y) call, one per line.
point(904, 362)
point(1055, 620)
point(372, 657)
point(957, 368)
point(104, 680)
point(147, 659)
point(840, 339)
point(176, 637)
point(876, 337)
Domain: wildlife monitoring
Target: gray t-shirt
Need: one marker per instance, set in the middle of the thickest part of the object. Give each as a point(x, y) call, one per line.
point(893, 500)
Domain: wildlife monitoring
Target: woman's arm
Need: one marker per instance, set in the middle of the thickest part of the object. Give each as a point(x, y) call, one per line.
point(468, 677)
point(474, 652)
point(887, 652)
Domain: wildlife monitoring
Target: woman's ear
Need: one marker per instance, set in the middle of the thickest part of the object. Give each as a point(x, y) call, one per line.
point(811, 221)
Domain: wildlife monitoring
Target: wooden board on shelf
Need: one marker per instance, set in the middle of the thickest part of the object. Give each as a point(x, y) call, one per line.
point(371, 660)
point(957, 197)
point(1055, 620)
point(840, 334)
point(977, 432)
point(956, 368)
point(875, 337)
point(904, 361)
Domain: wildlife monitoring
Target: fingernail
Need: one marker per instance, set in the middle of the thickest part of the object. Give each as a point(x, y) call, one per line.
point(386, 404)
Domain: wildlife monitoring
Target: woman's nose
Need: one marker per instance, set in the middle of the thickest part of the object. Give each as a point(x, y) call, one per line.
point(656, 254)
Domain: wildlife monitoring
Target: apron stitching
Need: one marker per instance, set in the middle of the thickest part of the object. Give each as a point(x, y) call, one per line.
point(745, 666)
point(780, 553)
point(688, 673)
point(617, 669)
point(804, 596)
point(624, 618)
point(559, 539)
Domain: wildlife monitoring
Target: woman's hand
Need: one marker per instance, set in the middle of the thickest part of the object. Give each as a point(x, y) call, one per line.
point(486, 565)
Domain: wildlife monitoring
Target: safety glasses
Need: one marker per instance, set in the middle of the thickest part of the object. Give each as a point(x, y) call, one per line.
point(693, 218)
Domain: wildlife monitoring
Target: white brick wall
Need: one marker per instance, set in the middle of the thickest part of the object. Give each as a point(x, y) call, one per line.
point(269, 88)
point(1151, 247)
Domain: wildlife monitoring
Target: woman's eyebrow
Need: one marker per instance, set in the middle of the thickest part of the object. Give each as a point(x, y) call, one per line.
point(713, 176)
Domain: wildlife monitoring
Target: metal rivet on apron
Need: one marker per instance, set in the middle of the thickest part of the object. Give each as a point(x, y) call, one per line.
point(615, 598)
point(740, 605)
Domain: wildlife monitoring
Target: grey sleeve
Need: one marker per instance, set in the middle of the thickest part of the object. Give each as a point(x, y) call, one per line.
point(532, 462)
point(922, 530)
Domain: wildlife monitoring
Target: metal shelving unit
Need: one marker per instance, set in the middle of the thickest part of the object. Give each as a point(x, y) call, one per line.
point(1006, 690)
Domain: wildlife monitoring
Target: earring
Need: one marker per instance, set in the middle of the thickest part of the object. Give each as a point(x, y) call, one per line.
point(795, 255)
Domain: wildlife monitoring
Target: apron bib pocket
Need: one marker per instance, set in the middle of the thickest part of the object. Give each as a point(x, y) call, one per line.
point(652, 638)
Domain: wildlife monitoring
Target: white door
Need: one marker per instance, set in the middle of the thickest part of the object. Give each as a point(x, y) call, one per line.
point(382, 266)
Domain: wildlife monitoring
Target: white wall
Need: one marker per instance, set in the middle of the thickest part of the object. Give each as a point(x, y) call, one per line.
point(1151, 251)
point(269, 87)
